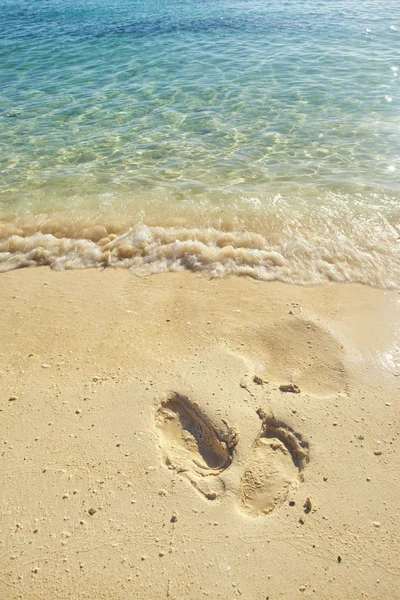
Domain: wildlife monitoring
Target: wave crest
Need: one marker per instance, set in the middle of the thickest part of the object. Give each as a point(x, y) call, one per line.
point(145, 250)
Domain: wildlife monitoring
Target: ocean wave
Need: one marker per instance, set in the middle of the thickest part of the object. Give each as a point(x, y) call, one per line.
point(309, 258)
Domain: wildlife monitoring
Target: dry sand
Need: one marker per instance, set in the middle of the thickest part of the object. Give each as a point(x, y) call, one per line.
point(147, 450)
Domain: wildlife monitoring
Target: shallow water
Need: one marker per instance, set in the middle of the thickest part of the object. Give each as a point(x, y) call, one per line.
point(253, 137)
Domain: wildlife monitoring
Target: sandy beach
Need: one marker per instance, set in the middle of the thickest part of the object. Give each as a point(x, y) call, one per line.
point(149, 450)
point(200, 300)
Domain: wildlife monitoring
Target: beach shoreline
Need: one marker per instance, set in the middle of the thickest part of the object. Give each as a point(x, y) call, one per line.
point(149, 451)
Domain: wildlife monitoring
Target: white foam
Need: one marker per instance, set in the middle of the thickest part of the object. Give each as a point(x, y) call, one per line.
point(301, 258)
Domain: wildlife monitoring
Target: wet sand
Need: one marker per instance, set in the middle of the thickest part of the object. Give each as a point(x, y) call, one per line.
point(183, 437)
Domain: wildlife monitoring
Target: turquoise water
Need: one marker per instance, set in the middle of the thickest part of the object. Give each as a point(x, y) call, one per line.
point(251, 137)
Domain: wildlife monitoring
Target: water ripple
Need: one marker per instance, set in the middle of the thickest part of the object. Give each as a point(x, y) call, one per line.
point(201, 104)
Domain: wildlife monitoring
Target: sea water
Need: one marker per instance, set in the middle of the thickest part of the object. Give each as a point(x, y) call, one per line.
point(256, 137)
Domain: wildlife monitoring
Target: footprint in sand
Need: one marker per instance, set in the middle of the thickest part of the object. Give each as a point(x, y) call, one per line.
point(192, 443)
point(302, 351)
point(274, 467)
point(196, 447)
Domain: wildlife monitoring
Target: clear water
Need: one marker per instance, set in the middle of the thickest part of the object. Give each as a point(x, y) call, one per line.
point(235, 136)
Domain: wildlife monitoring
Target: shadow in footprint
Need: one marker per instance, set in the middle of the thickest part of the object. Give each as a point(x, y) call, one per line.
point(191, 442)
point(275, 466)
